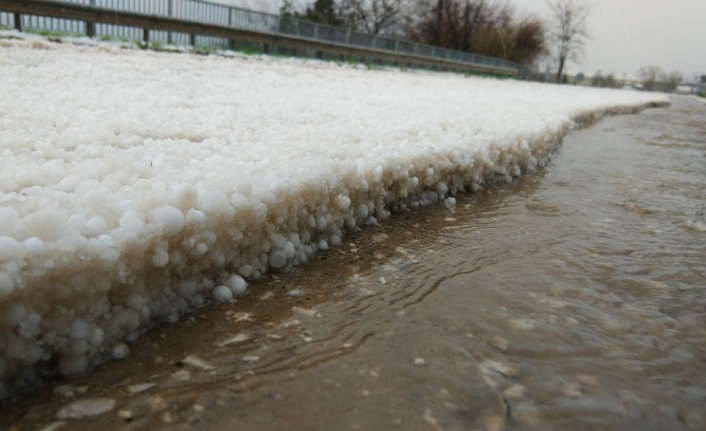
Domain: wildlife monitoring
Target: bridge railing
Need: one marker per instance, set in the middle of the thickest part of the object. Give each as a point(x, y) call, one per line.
point(199, 11)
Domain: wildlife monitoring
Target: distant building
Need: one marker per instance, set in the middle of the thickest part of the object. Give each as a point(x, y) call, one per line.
point(265, 6)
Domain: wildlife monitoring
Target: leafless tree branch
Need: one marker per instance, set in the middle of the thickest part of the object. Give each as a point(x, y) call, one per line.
point(569, 32)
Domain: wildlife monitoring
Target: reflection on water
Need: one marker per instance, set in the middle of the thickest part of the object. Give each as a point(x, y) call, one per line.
point(572, 299)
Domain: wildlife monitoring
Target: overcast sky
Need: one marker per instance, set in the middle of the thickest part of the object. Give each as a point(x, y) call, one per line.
point(628, 34)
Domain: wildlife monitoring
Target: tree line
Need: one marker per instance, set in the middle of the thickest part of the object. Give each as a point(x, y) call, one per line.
point(483, 27)
point(654, 78)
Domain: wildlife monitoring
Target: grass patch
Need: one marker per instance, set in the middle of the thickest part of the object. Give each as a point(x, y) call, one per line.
point(203, 50)
point(50, 33)
point(156, 45)
point(106, 38)
point(248, 51)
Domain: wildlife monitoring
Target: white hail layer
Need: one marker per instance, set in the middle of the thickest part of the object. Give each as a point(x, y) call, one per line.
point(135, 186)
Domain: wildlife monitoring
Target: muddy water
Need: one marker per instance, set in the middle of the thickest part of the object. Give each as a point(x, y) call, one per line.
point(571, 299)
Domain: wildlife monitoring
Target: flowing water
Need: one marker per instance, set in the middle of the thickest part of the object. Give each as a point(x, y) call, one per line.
point(573, 299)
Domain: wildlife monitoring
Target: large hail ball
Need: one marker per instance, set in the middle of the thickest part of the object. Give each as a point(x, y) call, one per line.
point(7, 285)
point(322, 244)
point(80, 329)
point(289, 249)
point(13, 315)
point(278, 259)
point(120, 351)
point(245, 270)
point(8, 220)
point(222, 294)
point(171, 218)
point(237, 285)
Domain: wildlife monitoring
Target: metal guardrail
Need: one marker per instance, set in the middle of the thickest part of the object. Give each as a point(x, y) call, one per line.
point(197, 22)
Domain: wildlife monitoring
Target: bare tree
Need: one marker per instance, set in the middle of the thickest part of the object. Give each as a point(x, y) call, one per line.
point(470, 16)
point(484, 27)
point(609, 81)
point(447, 23)
point(383, 14)
point(569, 31)
point(675, 78)
point(323, 11)
point(598, 79)
point(439, 20)
point(671, 81)
point(370, 16)
point(650, 76)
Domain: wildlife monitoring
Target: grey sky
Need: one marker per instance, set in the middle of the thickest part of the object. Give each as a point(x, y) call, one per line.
point(628, 34)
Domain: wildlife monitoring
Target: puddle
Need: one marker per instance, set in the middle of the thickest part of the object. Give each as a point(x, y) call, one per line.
point(570, 299)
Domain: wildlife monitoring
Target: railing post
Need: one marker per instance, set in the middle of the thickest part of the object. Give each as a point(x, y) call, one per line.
point(396, 45)
point(348, 37)
point(414, 50)
point(231, 42)
point(91, 26)
point(316, 31)
point(18, 22)
point(170, 13)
